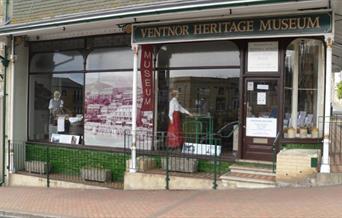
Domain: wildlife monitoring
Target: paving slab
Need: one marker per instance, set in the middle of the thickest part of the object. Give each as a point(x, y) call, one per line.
point(280, 202)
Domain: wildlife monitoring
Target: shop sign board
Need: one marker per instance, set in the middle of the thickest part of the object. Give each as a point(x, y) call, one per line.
point(261, 127)
point(313, 23)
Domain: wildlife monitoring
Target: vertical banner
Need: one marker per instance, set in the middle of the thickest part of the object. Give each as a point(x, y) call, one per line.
point(146, 78)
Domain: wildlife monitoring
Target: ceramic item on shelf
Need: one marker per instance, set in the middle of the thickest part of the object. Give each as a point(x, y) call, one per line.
point(303, 132)
point(291, 133)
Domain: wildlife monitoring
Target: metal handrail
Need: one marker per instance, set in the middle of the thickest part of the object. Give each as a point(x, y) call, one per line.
point(274, 150)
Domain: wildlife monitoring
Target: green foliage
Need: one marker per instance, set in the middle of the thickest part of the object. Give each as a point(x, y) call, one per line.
point(254, 165)
point(207, 166)
point(302, 146)
point(339, 90)
point(69, 161)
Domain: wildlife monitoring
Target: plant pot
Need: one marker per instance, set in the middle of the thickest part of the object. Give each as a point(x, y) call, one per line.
point(96, 174)
point(36, 166)
point(180, 164)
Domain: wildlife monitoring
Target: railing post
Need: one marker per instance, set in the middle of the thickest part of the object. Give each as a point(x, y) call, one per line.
point(273, 158)
point(215, 168)
point(47, 167)
point(167, 179)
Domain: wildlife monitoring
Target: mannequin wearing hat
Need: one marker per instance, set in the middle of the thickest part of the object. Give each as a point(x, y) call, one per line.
point(174, 132)
point(55, 107)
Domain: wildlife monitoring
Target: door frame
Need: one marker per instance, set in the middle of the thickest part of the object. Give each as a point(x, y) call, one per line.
point(244, 110)
point(243, 45)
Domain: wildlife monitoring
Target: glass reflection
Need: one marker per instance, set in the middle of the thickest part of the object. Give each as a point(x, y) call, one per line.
point(64, 91)
point(57, 61)
point(199, 54)
point(110, 58)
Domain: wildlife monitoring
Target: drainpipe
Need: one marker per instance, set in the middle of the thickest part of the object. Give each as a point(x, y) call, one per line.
point(5, 63)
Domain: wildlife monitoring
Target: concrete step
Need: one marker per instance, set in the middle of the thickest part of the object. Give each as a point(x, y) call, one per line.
point(246, 180)
point(251, 170)
point(268, 163)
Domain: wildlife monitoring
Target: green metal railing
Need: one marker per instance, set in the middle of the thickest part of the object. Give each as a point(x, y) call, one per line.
point(274, 151)
point(80, 164)
point(196, 158)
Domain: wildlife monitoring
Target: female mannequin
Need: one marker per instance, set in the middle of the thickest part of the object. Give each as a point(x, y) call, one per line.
point(55, 107)
point(174, 132)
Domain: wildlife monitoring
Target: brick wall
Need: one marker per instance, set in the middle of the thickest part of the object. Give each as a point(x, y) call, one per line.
point(295, 164)
point(25, 11)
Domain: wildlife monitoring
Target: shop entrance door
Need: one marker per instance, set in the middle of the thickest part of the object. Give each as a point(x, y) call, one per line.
point(261, 117)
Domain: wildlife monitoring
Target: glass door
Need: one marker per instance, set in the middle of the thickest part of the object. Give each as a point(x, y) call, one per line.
point(261, 117)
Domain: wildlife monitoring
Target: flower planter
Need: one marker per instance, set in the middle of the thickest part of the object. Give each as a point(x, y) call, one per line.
point(35, 166)
point(96, 174)
point(180, 164)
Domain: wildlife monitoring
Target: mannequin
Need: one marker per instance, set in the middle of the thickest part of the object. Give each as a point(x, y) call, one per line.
point(174, 132)
point(55, 107)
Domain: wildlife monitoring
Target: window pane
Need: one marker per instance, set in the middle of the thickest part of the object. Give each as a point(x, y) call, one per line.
point(199, 54)
point(56, 107)
point(108, 110)
point(110, 58)
point(57, 61)
point(211, 95)
point(304, 89)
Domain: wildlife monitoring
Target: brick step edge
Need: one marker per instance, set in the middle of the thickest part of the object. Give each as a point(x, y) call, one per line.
point(229, 177)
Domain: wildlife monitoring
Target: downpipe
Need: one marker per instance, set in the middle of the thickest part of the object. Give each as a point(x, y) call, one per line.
point(5, 63)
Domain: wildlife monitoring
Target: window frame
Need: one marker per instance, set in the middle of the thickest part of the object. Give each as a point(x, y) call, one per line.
point(84, 50)
point(284, 45)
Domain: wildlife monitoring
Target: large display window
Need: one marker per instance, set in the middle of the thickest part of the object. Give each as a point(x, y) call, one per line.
point(80, 90)
point(198, 90)
point(304, 89)
point(56, 97)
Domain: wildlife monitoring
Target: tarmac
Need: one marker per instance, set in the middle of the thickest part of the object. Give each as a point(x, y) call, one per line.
point(275, 202)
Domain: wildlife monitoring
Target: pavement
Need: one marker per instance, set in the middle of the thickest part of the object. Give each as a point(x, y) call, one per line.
point(276, 202)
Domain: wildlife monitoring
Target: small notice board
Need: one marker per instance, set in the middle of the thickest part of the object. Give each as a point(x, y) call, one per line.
point(261, 127)
point(262, 56)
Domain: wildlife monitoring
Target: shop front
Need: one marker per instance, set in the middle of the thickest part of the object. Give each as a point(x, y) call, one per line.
point(216, 88)
point(260, 77)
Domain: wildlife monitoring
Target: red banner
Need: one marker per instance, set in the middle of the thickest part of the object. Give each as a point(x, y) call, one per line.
point(146, 77)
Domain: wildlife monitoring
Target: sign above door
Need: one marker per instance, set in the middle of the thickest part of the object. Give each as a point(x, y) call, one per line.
point(314, 23)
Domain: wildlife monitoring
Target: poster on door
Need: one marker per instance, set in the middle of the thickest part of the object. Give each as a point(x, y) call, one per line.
point(261, 127)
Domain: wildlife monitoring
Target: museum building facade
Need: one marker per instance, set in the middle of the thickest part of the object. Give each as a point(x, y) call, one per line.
point(243, 72)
